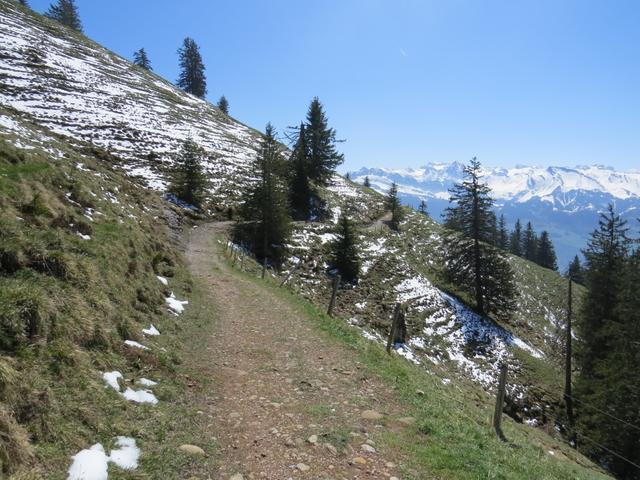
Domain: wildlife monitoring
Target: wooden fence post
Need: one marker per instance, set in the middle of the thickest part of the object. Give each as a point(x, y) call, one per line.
point(264, 267)
point(242, 260)
point(568, 399)
point(290, 274)
point(394, 327)
point(235, 257)
point(497, 415)
point(334, 292)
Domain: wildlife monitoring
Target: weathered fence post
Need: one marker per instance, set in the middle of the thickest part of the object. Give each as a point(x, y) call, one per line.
point(497, 415)
point(264, 267)
point(334, 292)
point(235, 257)
point(394, 327)
point(290, 274)
point(568, 399)
point(242, 259)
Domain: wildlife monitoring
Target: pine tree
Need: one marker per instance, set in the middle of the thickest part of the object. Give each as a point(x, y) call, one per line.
point(24, 2)
point(472, 263)
point(321, 140)
point(223, 105)
point(366, 182)
point(575, 271)
point(141, 59)
point(189, 181)
point(503, 234)
point(345, 250)
point(608, 354)
point(515, 241)
point(393, 205)
point(192, 78)
point(300, 191)
point(529, 243)
point(266, 203)
point(605, 256)
point(422, 208)
point(65, 12)
point(545, 252)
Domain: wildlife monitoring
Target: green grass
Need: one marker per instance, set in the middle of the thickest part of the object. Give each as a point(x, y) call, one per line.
point(452, 436)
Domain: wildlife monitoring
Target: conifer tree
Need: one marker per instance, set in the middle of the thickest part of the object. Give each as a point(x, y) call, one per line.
point(345, 250)
point(575, 271)
point(223, 105)
point(192, 78)
point(422, 208)
point(65, 12)
point(266, 203)
point(393, 205)
point(189, 182)
point(545, 252)
point(321, 141)
point(515, 241)
point(471, 262)
point(503, 234)
point(529, 243)
point(141, 59)
point(608, 382)
point(366, 182)
point(300, 191)
point(24, 2)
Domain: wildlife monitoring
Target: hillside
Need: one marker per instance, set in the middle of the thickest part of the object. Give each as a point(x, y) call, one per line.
point(79, 89)
point(94, 291)
point(564, 201)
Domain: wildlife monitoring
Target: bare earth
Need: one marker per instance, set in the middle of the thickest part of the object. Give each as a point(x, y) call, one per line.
point(288, 401)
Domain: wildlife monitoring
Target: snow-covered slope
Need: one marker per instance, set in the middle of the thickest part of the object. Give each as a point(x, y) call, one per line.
point(564, 201)
point(79, 89)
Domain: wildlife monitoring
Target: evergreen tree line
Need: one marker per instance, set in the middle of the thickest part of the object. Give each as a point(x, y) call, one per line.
point(608, 350)
point(527, 244)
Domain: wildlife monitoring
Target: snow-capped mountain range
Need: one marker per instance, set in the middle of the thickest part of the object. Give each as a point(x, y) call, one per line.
point(563, 200)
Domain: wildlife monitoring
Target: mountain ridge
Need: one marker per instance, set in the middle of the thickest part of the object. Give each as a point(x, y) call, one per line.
point(563, 200)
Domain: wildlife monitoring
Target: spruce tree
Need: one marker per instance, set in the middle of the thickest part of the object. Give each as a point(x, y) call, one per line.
point(141, 59)
point(515, 241)
point(529, 243)
point(422, 208)
point(223, 105)
point(503, 234)
point(189, 181)
point(65, 12)
point(366, 182)
point(393, 205)
point(266, 204)
point(24, 2)
point(608, 329)
point(321, 141)
point(545, 252)
point(300, 191)
point(471, 262)
point(345, 250)
point(192, 78)
point(575, 271)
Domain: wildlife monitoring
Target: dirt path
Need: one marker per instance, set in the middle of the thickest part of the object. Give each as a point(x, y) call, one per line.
point(380, 222)
point(289, 403)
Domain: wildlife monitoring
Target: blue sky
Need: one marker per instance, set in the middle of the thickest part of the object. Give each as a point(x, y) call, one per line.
point(408, 82)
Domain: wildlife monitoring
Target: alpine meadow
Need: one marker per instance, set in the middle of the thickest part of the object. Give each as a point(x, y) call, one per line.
point(366, 283)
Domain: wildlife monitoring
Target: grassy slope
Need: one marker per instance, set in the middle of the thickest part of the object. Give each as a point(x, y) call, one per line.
point(452, 435)
point(67, 304)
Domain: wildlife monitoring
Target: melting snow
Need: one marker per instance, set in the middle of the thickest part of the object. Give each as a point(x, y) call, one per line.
point(140, 396)
point(134, 344)
point(151, 331)
point(163, 280)
point(93, 463)
point(176, 305)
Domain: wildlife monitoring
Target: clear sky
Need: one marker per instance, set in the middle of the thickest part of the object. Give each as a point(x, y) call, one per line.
point(545, 82)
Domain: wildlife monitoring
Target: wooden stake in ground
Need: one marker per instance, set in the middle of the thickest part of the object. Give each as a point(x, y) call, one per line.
point(568, 400)
point(394, 327)
point(334, 292)
point(497, 415)
point(293, 270)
